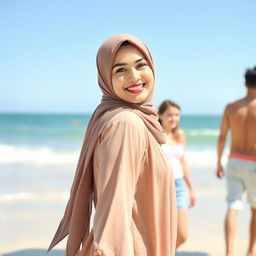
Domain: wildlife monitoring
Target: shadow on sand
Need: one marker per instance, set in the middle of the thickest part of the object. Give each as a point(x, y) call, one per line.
point(35, 252)
point(42, 252)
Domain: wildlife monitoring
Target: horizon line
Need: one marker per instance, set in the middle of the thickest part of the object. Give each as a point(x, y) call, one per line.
point(85, 113)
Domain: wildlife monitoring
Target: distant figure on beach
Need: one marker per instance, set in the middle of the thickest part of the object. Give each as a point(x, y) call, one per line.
point(240, 118)
point(122, 168)
point(169, 117)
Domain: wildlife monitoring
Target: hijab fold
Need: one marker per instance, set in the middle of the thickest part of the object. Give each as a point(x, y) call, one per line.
point(76, 219)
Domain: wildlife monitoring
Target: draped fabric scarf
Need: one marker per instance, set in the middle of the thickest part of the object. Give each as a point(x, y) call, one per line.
point(76, 220)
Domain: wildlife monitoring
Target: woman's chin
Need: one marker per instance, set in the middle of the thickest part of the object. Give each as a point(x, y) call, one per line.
point(138, 98)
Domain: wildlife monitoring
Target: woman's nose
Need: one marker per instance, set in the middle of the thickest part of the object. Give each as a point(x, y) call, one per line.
point(134, 75)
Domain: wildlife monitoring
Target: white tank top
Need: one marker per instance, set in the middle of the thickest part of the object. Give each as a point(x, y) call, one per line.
point(174, 153)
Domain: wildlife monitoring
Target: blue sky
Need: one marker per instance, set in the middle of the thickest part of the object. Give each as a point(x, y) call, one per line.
point(200, 49)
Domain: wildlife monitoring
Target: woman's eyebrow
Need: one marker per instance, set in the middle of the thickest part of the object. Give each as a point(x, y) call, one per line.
point(123, 64)
point(119, 64)
point(140, 59)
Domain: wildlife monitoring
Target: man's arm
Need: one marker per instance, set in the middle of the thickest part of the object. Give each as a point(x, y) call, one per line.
point(221, 142)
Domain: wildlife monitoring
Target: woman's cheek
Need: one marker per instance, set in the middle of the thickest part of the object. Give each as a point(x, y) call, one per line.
point(118, 82)
point(148, 77)
point(148, 72)
point(121, 81)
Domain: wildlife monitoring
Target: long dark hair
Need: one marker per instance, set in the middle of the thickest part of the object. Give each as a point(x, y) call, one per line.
point(164, 106)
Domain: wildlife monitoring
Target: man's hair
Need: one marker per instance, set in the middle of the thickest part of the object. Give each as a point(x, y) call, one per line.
point(250, 77)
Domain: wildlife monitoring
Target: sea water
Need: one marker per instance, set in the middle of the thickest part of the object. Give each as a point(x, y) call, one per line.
point(38, 158)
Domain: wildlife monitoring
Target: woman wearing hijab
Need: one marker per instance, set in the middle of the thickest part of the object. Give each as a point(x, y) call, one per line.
point(122, 167)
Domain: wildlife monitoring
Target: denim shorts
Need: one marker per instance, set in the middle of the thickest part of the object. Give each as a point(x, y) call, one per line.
point(241, 177)
point(180, 194)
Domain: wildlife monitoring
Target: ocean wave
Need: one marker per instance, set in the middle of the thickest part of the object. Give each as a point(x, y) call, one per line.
point(203, 132)
point(34, 197)
point(37, 156)
point(204, 190)
point(204, 158)
point(48, 156)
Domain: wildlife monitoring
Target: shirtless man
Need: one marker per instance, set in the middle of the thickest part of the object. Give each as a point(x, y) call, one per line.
point(240, 172)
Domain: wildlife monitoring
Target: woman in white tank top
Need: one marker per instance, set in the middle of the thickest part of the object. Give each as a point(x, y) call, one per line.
point(169, 117)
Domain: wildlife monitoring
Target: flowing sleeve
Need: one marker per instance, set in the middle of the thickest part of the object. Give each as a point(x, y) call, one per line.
point(119, 159)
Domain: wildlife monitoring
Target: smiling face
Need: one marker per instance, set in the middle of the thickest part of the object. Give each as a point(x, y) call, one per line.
point(132, 77)
point(170, 118)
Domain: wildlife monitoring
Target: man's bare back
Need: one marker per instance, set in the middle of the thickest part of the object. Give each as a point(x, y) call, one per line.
point(241, 119)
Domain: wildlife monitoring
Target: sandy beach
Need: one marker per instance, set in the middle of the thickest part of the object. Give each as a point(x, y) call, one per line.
point(29, 219)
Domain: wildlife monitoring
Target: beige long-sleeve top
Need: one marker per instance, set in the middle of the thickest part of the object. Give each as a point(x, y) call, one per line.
point(135, 204)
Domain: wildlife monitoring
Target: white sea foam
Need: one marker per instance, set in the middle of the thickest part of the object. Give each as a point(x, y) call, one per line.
point(34, 197)
point(36, 156)
point(203, 159)
point(47, 156)
point(210, 190)
point(203, 132)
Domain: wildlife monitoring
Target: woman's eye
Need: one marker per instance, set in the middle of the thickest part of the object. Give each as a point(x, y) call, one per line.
point(120, 70)
point(141, 65)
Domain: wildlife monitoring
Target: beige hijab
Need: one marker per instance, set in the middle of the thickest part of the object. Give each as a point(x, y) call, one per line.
point(76, 219)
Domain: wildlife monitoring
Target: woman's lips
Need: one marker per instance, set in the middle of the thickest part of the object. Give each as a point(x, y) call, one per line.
point(136, 88)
